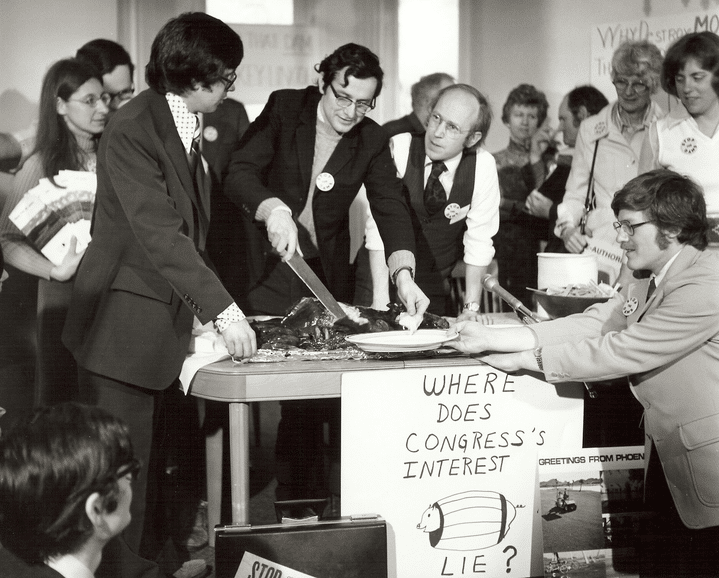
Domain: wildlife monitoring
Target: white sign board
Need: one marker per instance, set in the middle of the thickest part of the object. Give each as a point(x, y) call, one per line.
point(662, 31)
point(276, 57)
point(448, 457)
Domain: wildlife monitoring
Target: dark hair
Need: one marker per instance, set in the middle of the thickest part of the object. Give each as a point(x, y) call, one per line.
point(360, 62)
point(55, 143)
point(194, 48)
point(526, 95)
point(426, 85)
point(673, 201)
point(585, 96)
point(105, 55)
point(50, 463)
point(640, 58)
point(484, 117)
point(701, 46)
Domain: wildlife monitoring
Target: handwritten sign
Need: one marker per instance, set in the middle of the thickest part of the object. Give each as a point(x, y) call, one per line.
point(662, 31)
point(276, 57)
point(449, 458)
point(253, 566)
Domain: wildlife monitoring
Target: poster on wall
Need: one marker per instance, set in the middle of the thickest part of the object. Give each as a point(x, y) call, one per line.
point(276, 57)
point(591, 511)
point(662, 31)
point(448, 456)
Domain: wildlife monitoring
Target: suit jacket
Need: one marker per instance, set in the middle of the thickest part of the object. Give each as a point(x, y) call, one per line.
point(14, 567)
point(669, 345)
point(230, 228)
point(408, 123)
point(144, 276)
point(275, 160)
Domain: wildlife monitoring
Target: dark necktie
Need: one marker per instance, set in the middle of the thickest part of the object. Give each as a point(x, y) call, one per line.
point(435, 197)
point(650, 290)
point(194, 156)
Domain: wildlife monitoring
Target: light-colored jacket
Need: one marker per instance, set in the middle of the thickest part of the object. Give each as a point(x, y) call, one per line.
point(669, 346)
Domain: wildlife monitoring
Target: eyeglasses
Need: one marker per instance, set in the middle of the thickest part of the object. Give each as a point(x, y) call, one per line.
point(132, 468)
point(92, 100)
point(622, 85)
point(229, 80)
point(361, 106)
point(627, 227)
point(117, 98)
point(453, 131)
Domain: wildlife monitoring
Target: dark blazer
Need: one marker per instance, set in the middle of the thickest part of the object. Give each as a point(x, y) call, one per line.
point(143, 276)
point(275, 160)
point(14, 567)
point(229, 229)
point(408, 123)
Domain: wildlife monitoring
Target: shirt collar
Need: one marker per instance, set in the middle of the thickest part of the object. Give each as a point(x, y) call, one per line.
point(70, 567)
point(663, 273)
point(619, 121)
point(451, 164)
point(186, 122)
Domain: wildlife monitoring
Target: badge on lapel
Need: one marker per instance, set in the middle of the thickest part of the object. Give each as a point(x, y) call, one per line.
point(325, 181)
point(451, 210)
point(210, 134)
point(630, 306)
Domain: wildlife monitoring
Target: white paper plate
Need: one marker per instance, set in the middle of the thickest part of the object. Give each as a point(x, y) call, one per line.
point(400, 341)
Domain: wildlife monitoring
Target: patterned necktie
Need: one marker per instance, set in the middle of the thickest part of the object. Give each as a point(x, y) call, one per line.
point(195, 150)
point(650, 290)
point(435, 196)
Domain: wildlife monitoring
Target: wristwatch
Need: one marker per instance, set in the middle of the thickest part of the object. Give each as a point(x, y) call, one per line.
point(471, 306)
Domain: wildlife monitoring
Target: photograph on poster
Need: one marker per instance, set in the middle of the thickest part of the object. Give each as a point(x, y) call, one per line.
point(597, 563)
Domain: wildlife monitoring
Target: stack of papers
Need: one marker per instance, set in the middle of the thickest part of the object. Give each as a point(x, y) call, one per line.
point(50, 216)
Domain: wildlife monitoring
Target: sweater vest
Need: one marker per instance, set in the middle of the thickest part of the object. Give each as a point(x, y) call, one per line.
point(439, 243)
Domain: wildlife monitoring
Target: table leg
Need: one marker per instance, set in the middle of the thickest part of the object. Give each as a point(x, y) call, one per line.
point(240, 462)
point(213, 455)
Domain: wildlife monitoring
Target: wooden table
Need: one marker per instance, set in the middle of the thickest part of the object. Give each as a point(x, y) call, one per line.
point(240, 383)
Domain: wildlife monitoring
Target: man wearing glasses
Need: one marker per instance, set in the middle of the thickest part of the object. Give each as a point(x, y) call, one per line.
point(300, 165)
point(113, 64)
point(663, 334)
point(454, 198)
point(608, 149)
point(145, 276)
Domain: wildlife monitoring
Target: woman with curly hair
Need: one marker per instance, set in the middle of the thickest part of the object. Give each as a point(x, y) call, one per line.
point(521, 167)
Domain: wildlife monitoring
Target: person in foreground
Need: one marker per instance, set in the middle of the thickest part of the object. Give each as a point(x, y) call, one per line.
point(664, 334)
point(65, 490)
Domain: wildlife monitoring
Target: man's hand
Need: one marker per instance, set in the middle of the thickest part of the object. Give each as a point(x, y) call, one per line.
point(467, 315)
point(510, 362)
point(573, 239)
point(472, 337)
point(282, 233)
point(240, 339)
point(414, 299)
point(70, 262)
point(538, 205)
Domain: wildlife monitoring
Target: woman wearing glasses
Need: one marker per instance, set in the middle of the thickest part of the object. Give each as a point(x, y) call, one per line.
point(72, 116)
point(686, 139)
point(607, 154)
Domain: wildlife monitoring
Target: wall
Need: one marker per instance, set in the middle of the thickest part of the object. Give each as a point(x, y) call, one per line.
point(34, 34)
point(543, 42)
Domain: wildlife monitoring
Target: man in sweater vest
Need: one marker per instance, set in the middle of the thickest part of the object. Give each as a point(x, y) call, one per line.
point(453, 196)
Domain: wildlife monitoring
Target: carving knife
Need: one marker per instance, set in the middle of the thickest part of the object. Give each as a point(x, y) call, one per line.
point(309, 278)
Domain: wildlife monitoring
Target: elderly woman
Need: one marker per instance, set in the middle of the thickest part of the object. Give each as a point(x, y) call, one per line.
point(521, 167)
point(72, 116)
point(607, 153)
point(685, 140)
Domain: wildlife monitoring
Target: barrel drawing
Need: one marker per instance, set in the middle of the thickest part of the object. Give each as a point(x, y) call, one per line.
point(471, 520)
